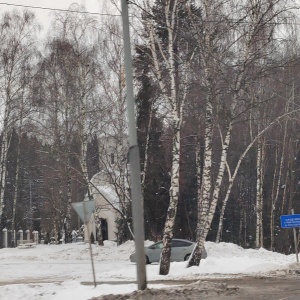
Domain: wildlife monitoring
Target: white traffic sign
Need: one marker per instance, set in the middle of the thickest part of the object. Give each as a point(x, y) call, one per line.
point(84, 210)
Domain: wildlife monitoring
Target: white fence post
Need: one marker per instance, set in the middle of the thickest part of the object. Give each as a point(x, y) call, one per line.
point(36, 237)
point(28, 235)
point(21, 236)
point(4, 238)
point(13, 238)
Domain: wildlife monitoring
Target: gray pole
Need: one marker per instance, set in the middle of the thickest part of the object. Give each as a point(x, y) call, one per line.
point(30, 199)
point(87, 225)
point(295, 240)
point(134, 158)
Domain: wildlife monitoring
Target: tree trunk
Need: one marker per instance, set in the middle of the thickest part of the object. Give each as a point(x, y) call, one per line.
point(171, 213)
point(278, 185)
point(206, 188)
point(69, 199)
point(176, 103)
point(3, 163)
point(16, 191)
point(259, 196)
point(285, 191)
point(224, 159)
point(207, 213)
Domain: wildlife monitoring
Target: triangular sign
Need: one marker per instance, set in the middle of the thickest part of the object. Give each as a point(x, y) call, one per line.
point(84, 209)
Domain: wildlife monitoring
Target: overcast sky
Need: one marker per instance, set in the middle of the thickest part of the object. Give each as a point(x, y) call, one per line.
point(43, 15)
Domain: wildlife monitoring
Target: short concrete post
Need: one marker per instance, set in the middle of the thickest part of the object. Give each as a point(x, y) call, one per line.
point(4, 238)
point(36, 237)
point(20, 236)
point(13, 238)
point(28, 235)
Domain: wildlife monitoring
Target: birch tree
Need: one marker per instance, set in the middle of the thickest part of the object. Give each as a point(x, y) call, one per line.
point(209, 42)
point(17, 35)
point(170, 61)
point(72, 76)
point(78, 29)
point(247, 53)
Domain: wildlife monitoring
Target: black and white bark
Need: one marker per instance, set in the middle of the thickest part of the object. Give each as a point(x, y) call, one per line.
point(248, 54)
point(165, 69)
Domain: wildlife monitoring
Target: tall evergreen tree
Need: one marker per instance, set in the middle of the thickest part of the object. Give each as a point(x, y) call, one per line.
point(155, 167)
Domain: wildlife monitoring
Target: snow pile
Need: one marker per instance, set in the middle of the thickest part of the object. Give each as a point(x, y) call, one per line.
point(228, 258)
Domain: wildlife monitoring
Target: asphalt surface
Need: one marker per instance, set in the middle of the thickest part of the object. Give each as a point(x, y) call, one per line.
point(284, 287)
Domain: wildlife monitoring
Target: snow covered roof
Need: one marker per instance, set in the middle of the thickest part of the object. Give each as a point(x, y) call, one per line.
point(109, 194)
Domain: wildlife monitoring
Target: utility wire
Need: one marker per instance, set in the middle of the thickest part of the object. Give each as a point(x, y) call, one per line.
point(228, 21)
point(58, 9)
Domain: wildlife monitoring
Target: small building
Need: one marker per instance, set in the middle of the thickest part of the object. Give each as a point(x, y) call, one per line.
point(110, 186)
point(107, 207)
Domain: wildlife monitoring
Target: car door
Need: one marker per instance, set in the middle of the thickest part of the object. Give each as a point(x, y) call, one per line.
point(179, 250)
point(154, 252)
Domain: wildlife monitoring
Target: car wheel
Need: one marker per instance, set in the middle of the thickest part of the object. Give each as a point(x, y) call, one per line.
point(147, 260)
point(187, 257)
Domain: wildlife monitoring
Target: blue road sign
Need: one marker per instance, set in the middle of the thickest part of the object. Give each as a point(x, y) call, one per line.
point(290, 221)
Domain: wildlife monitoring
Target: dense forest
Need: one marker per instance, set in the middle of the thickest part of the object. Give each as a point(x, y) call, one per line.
point(216, 85)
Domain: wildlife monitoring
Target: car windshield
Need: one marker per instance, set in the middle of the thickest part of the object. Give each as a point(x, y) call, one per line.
point(175, 243)
point(179, 243)
point(158, 245)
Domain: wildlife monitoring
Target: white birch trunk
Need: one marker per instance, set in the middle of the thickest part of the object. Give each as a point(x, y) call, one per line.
point(3, 160)
point(285, 191)
point(176, 122)
point(16, 191)
point(172, 209)
point(259, 199)
point(145, 169)
point(172, 98)
point(208, 215)
point(278, 185)
point(206, 188)
point(69, 198)
point(221, 220)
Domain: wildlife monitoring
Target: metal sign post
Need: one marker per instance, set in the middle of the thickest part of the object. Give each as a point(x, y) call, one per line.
point(84, 210)
point(295, 239)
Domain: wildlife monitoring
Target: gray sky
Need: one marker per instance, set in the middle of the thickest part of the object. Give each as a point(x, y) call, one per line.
point(44, 16)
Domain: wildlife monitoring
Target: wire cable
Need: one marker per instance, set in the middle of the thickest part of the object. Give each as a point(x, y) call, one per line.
point(228, 21)
point(59, 9)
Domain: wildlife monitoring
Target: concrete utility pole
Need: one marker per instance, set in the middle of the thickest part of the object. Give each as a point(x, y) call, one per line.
point(134, 158)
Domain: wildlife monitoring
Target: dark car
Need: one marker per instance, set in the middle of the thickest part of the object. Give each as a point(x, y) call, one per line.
point(181, 251)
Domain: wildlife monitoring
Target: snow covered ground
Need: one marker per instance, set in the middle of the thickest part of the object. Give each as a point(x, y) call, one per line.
point(57, 271)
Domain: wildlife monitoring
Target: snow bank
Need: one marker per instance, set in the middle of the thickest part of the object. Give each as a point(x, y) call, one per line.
point(57, 271)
